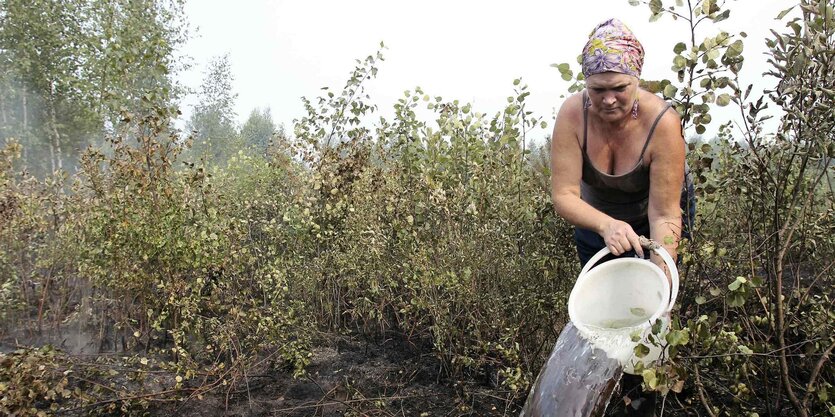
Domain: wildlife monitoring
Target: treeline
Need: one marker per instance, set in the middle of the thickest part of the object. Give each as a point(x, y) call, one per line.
point(70, 72)
point(70, 68)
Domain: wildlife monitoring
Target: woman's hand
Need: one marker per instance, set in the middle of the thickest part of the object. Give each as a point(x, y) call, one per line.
point(620, 238)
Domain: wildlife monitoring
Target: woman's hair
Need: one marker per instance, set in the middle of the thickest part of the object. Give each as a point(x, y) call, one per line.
point(612, 47)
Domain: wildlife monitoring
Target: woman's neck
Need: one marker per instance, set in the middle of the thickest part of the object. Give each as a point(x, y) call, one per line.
point(615, 127)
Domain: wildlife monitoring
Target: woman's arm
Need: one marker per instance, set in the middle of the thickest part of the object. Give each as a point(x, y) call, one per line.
point(566, 173)
point(666, 179)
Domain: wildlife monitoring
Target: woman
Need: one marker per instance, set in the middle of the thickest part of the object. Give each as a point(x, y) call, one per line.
point(618, 167)
point(617, 155)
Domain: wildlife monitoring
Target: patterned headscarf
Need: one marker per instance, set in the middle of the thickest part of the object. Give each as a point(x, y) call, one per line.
point(613, 47)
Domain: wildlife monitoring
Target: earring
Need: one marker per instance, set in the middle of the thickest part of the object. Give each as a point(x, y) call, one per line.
point(635, 109)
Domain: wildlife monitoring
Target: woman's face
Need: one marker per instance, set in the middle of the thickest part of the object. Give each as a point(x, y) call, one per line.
point(612, 94)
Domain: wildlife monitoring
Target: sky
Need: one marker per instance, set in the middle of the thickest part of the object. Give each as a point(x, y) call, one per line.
point(466, 50)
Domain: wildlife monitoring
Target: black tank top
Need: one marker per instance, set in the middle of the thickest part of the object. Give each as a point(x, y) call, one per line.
point(624, 197)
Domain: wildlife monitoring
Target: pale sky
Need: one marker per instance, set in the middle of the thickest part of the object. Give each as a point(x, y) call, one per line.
point(467, 50)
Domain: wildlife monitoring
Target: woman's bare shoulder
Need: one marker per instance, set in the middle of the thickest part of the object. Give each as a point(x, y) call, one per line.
point(654, 107)
point(572, 107)
point(667, 136)
point(651, 103)
point(569, 120)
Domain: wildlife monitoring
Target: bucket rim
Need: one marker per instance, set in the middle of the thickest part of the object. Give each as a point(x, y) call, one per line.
point(601, 268)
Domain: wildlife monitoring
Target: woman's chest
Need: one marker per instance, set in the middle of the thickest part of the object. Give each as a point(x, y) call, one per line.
point(617, 154)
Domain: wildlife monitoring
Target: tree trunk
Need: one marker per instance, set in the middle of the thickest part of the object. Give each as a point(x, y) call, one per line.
point(24, 110)
point(25, 137)
point(52, 156)
point(3, 110)
point(57, 140)
point(56, 137)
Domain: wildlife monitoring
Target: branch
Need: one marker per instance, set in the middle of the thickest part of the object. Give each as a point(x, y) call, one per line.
point(702, 396)
point(769, 354)
point(816, 373)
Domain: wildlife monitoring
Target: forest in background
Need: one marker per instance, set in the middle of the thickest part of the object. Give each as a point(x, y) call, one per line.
point(198, 260)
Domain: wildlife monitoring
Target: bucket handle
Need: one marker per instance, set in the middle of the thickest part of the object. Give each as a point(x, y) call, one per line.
point(651, 245)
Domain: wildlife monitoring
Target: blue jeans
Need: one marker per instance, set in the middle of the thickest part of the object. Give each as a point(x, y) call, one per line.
point(589, 242)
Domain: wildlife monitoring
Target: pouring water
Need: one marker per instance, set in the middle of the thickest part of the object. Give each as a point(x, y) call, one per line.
point(611, 306)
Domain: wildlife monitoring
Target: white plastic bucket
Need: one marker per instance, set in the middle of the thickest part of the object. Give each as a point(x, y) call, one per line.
point(622, 297)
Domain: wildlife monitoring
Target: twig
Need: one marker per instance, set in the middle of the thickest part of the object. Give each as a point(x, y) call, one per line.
point(813, 378)
point(345, 402)
point(128, 398)
point(702, 397)
point(755, 353)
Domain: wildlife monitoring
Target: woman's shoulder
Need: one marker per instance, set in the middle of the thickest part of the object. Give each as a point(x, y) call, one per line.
point(572, 107)
point(656, 108)
point(653, 103)
point(663, 122)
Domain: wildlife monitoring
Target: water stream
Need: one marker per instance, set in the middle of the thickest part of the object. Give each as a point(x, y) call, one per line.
point(577, 381)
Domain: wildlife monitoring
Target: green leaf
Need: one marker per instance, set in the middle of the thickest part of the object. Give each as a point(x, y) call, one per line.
point(670, 91)
point(641, 350)
point(655, 6)
point(723, 100)
point(736, 299)
point(735, 49)
point(823, 393)
point(679, 48)
point(734, 285)
point(706, 6)
point(700, 300)
point(654, 86)
point(745, 349)
point(679, 62)
point(678, 337)
point(634, 2)
point(656, 327)
point(783, 14)
point(650, 379)
point(722, 16)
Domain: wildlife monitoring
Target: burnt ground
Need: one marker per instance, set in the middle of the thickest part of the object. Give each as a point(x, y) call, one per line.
point(348, 376)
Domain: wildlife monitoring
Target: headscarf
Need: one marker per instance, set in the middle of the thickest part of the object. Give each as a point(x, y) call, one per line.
point(613, 47)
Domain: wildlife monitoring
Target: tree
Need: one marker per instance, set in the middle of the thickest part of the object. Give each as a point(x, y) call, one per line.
point(70, 67)
point(213, 119)
point(258, 130)
point(141, 35)
point(40, 42)
point(766, 338)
